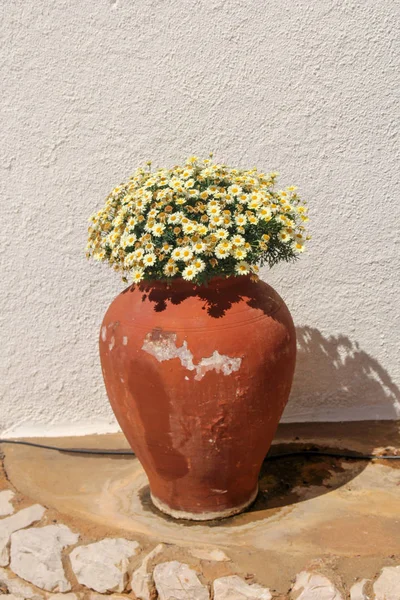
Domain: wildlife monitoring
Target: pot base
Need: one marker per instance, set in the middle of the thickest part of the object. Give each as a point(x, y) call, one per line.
point(205, 516)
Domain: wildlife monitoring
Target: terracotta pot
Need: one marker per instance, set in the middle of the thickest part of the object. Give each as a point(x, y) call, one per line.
point(198, 378)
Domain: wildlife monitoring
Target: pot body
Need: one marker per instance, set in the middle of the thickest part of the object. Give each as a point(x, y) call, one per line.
point(198, 377)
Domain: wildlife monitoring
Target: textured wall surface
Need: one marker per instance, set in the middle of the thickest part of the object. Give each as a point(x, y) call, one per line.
point(92, 89)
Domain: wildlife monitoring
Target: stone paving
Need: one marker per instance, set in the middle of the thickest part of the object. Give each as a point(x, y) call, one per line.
point(45, 554)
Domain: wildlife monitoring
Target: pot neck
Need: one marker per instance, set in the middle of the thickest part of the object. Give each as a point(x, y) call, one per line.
point(180, 284)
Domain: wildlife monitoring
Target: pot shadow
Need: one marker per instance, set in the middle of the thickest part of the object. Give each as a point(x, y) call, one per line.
point(336, 380)
point(218, 298)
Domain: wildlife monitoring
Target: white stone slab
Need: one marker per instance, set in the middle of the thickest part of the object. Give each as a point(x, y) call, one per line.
point(141, 581)
point(8, 525)
point(234, 588)
point(36, 556)
point(102, 566)
point(176, 581)
point(387, 586)
point(313, 586)
point(6, 508)
point(17, 587)
point(357, 590)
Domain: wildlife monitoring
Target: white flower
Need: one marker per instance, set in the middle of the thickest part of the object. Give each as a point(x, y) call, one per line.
point(170, 269)
point(241, 220)
point(158, 229)
point(187, 253)
point(234, 189)
point(240, 253)
point(138, 254)
point(216, 220)
point(189, 273)
point(189, 227)
point(128, 240)
point(238, 240)
point(298, 247)
point(243, 268)
point(177, 254)
point(284, 236)
point(199, 265)
point(221, 252)
point(199, 247)
point(265, 213)
point(176, 184)
point(222, 234)
point(175, 218)
point(137, 274)
point(149, 259)
point(213, 209)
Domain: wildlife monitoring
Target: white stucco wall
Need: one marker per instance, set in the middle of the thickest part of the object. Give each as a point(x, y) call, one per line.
point(92, 89)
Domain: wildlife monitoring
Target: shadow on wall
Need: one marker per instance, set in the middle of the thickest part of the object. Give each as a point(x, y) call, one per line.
point(336, 380)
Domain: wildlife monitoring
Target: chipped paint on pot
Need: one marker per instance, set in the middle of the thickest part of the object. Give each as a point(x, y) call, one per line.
point(198, 377)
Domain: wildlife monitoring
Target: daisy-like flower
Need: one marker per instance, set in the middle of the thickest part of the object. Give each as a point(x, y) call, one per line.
point(298, 247)
point(138, 254)
point(241, 220)
point(221, 252)
point(238, 240)
point(166, 247)
point(284, 235)
point(202, 230)
point(199, 247)
point(137, 274)
point(221, 234)
point(235, 190)
point(176, 184)
point(99, 255)
point(225, 244)
point(189, 273)
point(193, 193)
point(265, 213)
point(242, 268)
point(128, 240)
point(199, 265)
point(175, 218)
point(240, 253)
point(187, 173)
point(158, 229)
point(130, 260)
point(213, 209)
point(170, 269)
point(149, 259)
point(189, 227)
point(253, 219)
point(187, 253)
point(255, 202)
point(212, 189)
point(177, 254)
point(131, 223)
point(215, 221)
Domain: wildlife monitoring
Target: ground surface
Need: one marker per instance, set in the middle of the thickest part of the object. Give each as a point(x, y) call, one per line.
point(339, 517)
